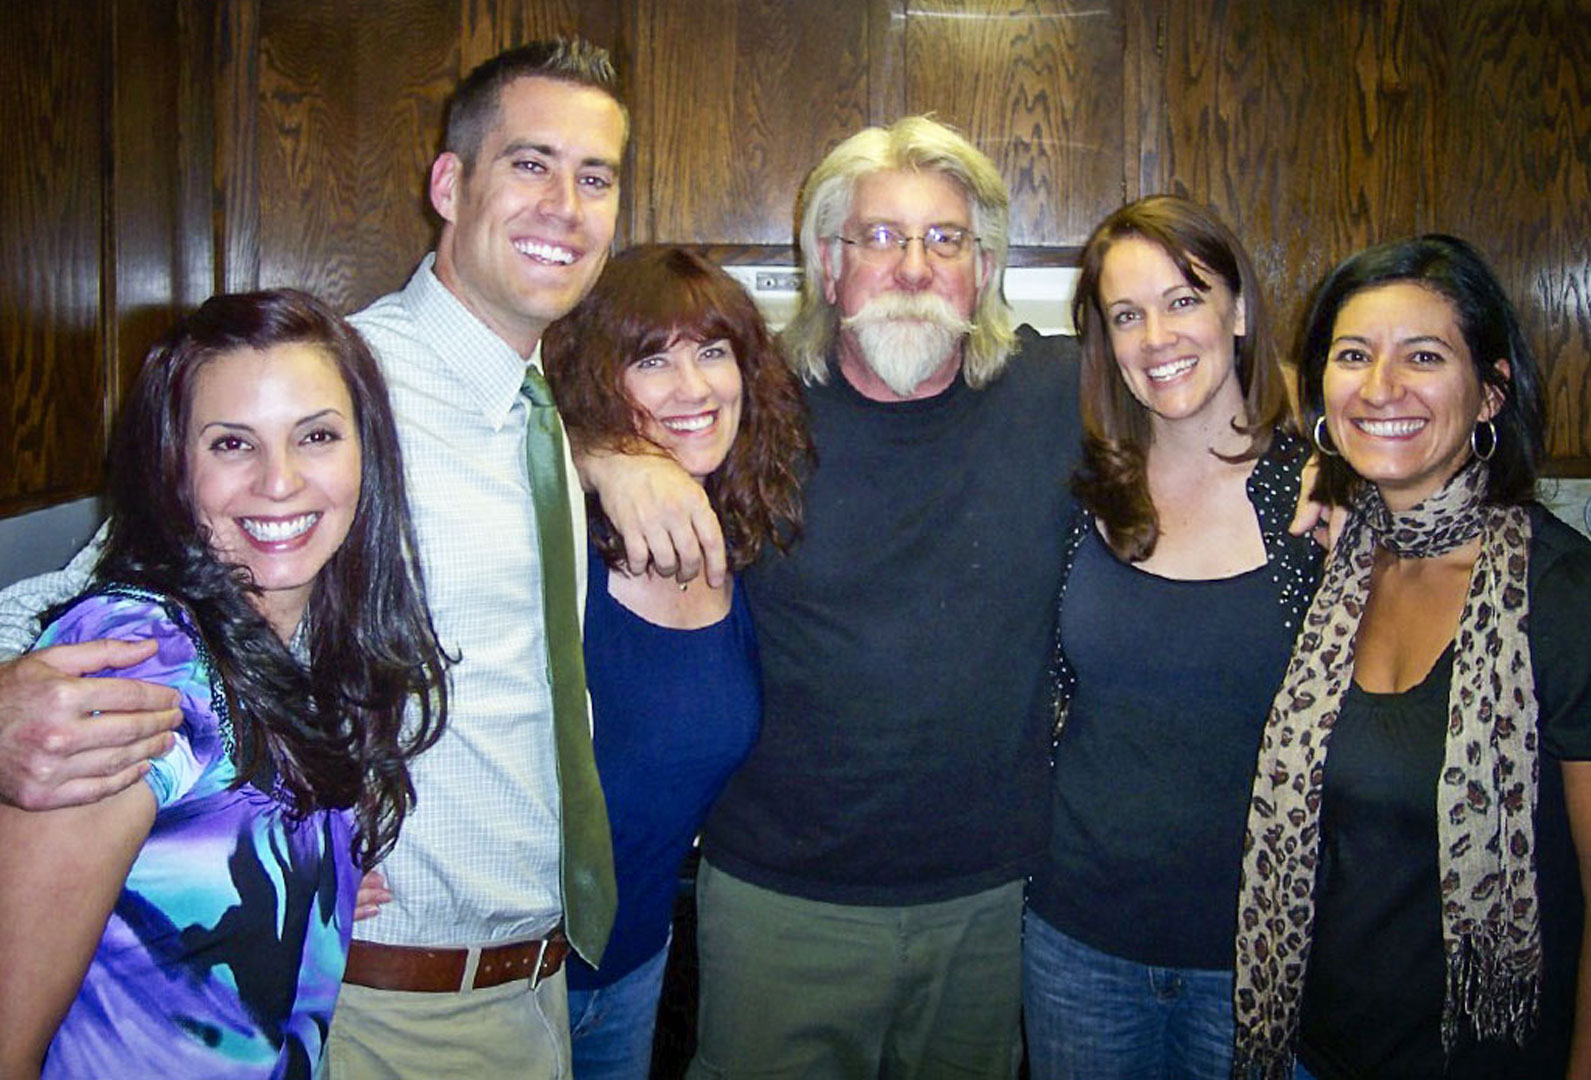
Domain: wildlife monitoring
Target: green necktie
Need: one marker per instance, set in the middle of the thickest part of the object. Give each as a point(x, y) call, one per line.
point(589, 893)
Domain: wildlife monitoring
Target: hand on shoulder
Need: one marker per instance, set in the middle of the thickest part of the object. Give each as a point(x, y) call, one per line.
point(68, 738)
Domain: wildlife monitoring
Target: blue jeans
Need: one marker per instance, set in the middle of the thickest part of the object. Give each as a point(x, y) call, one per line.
point(610, 1028)
point(1093, 1016)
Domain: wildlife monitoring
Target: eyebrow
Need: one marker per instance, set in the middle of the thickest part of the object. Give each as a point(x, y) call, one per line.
point(1416, 339)
point(234, 425)
point(520, 146)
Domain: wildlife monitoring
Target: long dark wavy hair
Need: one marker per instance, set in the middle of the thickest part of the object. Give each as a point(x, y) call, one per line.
point(331, 734)
point(1112, 481)
point(1454, 270)
point(644, 300)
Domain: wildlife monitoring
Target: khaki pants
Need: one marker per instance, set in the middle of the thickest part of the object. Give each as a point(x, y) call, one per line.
point(503, 1031)
point(797, 988)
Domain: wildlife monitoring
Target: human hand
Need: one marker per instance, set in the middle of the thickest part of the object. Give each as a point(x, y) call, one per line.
point(1321, 520)
point(373, 892)
point(660, 513)
point(67, 740)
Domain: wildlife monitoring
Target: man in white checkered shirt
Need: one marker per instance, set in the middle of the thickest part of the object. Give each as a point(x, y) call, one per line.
point(460, 971)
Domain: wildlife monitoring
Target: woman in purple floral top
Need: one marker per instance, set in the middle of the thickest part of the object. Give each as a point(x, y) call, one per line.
point(197, 924)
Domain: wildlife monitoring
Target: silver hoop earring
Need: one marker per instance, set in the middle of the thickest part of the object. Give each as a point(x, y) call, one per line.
point(1320, 435)
point(1491, 440)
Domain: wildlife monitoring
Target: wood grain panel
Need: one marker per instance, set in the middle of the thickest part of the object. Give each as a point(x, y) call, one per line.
point(734, 104)
point(1514, 148)
point(308, 128)
point(1307, 126)
point(53, 72)
point(407, 54)
point(236, 200)
point(159, 166)
point(1038, 85)
point(487, 27)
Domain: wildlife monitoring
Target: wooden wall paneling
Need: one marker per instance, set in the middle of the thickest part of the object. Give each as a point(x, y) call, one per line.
point(236, 199)
point(734, 102)
point(307, 133)
point(886, 77)
point(1037, 84)
point(150, 180)
point(1305, 124)
point(52, 86)
point(1143, 92)
point(487, 27)
point(407, 58)
point(1514, 153)
point(197, 271)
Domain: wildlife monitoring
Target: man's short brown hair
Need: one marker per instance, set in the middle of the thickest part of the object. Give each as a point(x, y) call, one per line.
point(473, 109)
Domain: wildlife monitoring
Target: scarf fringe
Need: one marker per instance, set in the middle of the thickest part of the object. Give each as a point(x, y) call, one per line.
point(1495, 986)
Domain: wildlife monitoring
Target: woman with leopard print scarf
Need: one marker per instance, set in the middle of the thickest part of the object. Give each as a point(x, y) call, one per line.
point(1419, 838)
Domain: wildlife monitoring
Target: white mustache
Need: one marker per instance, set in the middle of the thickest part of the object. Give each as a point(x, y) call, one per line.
point(909, 307)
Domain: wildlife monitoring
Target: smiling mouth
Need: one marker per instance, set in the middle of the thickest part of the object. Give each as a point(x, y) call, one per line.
point(550, 254)
point(687, 425)
point(1389, 429)
point(278, 530)
point(1166, 372)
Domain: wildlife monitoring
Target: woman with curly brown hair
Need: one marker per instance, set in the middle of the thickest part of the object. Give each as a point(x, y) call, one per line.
point(669, 355)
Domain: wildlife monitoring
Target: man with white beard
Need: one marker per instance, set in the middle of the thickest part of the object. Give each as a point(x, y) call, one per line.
point(861, 898)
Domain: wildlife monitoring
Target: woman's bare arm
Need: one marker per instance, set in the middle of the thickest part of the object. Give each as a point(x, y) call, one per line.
point(1577, 794)
point(60, 874)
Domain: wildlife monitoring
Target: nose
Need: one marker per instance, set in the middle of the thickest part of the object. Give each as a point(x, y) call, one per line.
point(560, 199)
point(1381, 382)
point(913, 270)
point(280, 477)
point(690, 384)
point(1157, 329)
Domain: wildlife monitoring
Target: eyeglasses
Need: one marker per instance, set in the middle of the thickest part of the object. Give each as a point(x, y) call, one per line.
point(883, 241)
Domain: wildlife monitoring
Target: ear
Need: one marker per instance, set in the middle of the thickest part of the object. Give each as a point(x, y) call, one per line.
point(1240, 320)
point(982, 268)
point(1492, 397)
point(829, 259)
point(447, 173)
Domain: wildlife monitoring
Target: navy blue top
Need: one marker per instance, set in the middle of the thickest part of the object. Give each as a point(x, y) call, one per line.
point(674, 713)
point(1154, 763)
point(1169, 683)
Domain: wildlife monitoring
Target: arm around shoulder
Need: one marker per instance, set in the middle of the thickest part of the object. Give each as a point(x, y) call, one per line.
point(661, 513)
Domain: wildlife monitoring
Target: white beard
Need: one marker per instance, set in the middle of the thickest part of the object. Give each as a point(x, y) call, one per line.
point(907, 337)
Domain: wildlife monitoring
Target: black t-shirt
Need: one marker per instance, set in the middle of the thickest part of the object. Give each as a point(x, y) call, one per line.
point(905, 645)
point(1373, 994)
point(1154, 766)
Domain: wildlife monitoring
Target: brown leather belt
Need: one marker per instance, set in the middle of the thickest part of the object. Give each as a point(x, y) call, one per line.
point(444, 971)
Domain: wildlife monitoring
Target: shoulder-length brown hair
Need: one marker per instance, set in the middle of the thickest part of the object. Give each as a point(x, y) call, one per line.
point(646, 299)
point(1112, 481)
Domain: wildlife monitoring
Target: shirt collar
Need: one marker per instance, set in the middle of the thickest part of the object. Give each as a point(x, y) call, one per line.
point(488, 369)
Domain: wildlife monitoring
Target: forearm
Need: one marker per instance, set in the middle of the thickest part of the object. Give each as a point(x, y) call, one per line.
point(1580, 1044)
point(60, 874)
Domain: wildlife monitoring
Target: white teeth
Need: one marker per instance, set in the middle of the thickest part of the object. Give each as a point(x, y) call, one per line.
point(1389, 429)
point(545, 252)
point(275, 531)
point(690, 423)
point(1162, 372)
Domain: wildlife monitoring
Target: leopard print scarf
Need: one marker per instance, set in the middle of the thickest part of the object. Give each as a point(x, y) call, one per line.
point(1486, 793)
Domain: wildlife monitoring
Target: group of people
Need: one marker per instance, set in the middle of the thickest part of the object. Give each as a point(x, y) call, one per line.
point(984, 663)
